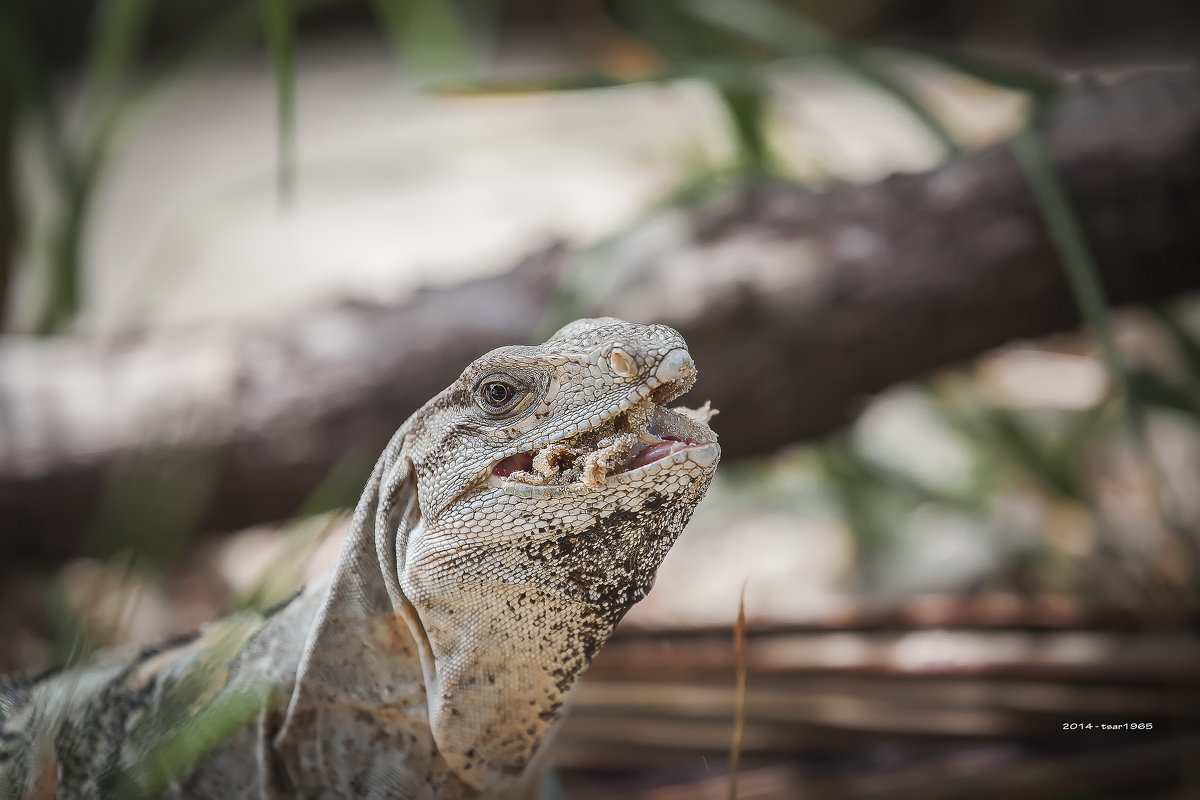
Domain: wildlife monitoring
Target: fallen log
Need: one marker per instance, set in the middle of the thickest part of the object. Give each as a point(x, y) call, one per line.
point(797, 305)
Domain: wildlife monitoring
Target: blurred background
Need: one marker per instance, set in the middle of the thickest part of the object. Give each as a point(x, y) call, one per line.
point(935, 261)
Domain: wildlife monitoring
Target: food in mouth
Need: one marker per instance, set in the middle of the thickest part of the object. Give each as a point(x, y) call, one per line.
point(643, 434)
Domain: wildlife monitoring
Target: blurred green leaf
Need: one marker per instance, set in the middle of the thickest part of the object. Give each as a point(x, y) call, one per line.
point(869, 68)
point(746, 102)
point(1068, 238)
point(673, 29)
point(205, 707)
point(1005, 435)
point(118, 29)
point(858, 501)
point(691, 45)
point(429, 38)
point(787, 32)
point(238, 26)
point(151, 504)
point(1079, 431)
point(1148, 388)
point(791, 34)
point(278, 23)
point(13, 58)
point(1053, 470)
point(79, 177)
point(26, 74)
point(889, 479)
point(1182, 339)
point(71, 636)
point(79, 168)
point(582, 81)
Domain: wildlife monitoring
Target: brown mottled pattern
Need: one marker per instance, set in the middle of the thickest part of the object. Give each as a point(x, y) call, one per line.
point(437, 658)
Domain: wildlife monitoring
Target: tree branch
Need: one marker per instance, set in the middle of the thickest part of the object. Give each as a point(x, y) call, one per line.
point(796, 304)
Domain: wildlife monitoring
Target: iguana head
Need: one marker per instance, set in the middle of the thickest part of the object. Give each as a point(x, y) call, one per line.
point(559, 466)
point(527, 507)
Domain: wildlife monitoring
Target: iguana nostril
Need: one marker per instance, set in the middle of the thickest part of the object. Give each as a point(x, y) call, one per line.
point(675, 365)
point(622, 363)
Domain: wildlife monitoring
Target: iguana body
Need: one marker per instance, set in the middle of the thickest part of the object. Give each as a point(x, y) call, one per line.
point(508, 526)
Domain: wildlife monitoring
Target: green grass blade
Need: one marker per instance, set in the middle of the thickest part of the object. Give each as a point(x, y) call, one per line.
point(746, 101)
point(1153, 390)
point(81, 174)
point(118, 29)
point(11, 222)
point(237, 27)
point(1182, 339)
point(785, 31)
point(278, 24)
point(577, 82)
point(670, 28)
point(855, 498)
point(1082, 273)
point(868, 68)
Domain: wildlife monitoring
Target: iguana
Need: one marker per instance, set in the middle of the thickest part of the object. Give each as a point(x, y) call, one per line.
point(505, 530)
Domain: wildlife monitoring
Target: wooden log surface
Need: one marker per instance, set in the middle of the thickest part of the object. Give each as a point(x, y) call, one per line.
point(797, 305)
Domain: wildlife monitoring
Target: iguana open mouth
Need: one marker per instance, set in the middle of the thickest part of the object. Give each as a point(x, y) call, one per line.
point(642, 434)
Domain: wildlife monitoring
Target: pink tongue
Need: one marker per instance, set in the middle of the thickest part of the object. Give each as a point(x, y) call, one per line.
point(651, 454)
point(517, 463)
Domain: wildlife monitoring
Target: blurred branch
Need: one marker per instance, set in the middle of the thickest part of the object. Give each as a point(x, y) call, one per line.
point(796, 305)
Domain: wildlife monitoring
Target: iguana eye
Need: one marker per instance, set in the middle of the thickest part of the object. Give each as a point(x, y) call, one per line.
point(497, 395)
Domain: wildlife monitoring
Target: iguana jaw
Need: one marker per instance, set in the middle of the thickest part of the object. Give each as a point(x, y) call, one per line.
point(632, 443)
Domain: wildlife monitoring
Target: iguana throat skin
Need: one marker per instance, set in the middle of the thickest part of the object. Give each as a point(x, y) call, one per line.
point(508, 526)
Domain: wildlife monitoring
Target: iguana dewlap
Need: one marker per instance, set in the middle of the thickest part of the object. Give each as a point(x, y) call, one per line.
point(508, 526)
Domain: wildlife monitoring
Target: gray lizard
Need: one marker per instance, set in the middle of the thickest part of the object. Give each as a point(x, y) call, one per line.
point(506, 529)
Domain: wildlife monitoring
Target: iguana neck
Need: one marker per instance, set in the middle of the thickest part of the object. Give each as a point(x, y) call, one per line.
point(497, 691)
point(476, 705)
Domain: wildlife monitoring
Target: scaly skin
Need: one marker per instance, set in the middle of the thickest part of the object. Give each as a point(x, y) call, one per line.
point(472, 592)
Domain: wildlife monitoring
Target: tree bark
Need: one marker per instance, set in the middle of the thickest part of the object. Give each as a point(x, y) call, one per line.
point(797, 305)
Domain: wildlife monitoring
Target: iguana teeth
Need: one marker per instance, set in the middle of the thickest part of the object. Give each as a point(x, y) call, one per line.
point(625, 441)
